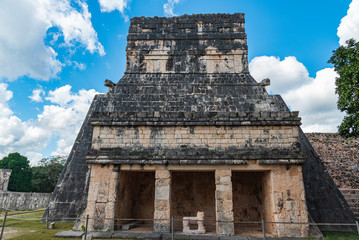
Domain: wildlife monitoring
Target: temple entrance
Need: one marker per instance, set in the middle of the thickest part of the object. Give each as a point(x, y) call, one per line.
point(193, 192)
point(248, 201)
point(135, 201)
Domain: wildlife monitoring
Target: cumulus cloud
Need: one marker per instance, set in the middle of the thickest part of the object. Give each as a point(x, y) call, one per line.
point(169, 7)
point(316, 102)
point(36, 95)
point(349, 25)
point(60, 119)
point(314, 98)
point(287, 74)
point(5, 96)
point(112, 5)
point(37, 20)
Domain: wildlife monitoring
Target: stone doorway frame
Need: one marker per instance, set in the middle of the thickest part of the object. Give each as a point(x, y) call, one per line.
point(135, 199)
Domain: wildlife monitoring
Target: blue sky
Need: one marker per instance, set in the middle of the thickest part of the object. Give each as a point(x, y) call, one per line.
point(55, 56)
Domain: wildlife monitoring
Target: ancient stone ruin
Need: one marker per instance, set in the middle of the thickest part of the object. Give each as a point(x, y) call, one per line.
point(19, 200)
point(4, 178)
point(187, 129)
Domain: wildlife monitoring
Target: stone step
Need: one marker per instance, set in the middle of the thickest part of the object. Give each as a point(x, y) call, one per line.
point(131, 225)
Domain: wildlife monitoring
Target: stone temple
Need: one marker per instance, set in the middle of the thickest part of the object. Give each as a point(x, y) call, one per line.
point(187, 129)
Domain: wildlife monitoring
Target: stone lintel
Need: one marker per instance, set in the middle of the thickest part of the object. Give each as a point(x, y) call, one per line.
point(198, 155)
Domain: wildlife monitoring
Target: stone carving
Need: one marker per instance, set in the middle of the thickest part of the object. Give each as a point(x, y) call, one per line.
point(109, 84)
point(265, 82)
point(197, 220)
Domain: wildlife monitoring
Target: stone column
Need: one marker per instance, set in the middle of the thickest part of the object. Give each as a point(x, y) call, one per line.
point(162, 214)
point(289, 201)
point(102, 197)
point(4, 178)
point(224, 203)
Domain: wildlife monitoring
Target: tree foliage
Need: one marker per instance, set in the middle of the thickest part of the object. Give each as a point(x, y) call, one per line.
point(45, 175)
point(346, 63)
point(20, 179)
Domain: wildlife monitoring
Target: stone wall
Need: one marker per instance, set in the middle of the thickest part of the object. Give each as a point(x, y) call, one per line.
point(188, 44)
point(175, 137)
point(24, 200)
point(195, 145)
point(340, 157)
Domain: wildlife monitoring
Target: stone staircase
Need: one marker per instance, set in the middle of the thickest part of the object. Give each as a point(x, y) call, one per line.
point(352, 197)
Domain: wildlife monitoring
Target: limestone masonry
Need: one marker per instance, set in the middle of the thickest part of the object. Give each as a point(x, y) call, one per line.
point(340, 157)
point(187, 129)
point(4, 178)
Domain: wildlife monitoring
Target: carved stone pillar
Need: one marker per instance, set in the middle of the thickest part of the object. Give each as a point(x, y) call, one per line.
point(102, 197)
point(162, 215)
point(224, 203)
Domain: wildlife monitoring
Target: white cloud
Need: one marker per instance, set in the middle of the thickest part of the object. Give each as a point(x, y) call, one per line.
point(316, 102)
point(112, 5)
point(60, 119)
point(79, 66)
point(31, 20)
point(5, 96)
point(349, 25)
point(314, 98)
point(286, 74)
point(169, 7)
point(36, 95)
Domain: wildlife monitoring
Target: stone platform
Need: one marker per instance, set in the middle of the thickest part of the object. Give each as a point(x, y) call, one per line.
point(159, 236)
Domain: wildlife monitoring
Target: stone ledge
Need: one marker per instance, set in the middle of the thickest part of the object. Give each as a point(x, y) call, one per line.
point(190, 155)
point(106, 160)
point(183, 36)
point(213, 18)
point(195, 118)
point(163, 236)
point(69, 234)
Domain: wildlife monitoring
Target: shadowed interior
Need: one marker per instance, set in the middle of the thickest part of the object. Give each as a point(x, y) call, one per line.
point(193, 192)
point(135, 198)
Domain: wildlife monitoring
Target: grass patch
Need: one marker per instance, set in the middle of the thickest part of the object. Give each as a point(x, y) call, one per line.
point(26, 225)
point(341, 235)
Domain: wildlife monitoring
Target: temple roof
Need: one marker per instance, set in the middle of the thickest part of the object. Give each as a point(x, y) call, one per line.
point(189, 64)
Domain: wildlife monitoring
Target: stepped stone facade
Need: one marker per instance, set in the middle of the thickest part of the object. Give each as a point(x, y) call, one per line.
point(187, 130)
point(340, 157)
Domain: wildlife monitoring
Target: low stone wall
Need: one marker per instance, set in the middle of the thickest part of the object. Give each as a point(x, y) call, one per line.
point(23, 200)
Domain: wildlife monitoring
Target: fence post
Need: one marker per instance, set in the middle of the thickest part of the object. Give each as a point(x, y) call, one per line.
point(3, 225)
point(357, 223)
point(172, 228)
point(264, 230)
point(87, 220)
point(47, 218)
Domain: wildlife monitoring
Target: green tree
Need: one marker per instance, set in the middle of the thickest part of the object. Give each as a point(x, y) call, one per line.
point(346, 63)
point(20, 179)
point(45, 175)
